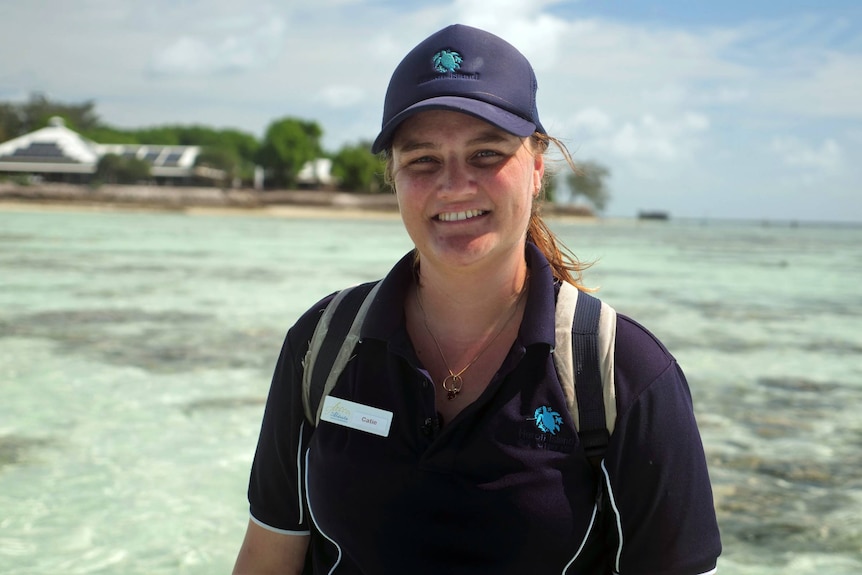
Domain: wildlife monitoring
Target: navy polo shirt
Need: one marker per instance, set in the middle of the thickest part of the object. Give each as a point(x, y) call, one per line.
point(488, 492)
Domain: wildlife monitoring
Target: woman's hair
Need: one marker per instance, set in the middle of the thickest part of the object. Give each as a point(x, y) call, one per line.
point(564, 264)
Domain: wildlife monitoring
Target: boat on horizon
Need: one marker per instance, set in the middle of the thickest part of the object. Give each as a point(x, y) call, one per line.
point(653, 215)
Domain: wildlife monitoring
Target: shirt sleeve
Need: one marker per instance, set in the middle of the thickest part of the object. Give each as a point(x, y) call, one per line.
point(276, 487)
point(660, 514)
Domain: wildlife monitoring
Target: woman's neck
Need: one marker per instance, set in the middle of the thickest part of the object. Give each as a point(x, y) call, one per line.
point(463, 305)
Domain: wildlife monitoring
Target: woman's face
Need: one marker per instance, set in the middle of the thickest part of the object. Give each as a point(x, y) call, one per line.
point(465, 188)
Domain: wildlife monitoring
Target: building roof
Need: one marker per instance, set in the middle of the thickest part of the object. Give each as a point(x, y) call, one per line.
point(57, 149)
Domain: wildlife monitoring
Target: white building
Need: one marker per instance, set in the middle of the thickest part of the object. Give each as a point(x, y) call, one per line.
point(56, 152)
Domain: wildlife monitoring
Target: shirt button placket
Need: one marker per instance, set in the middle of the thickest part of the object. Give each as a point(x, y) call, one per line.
point(427, 426)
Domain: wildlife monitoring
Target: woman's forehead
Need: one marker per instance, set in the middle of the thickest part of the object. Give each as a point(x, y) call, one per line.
point(447, 124)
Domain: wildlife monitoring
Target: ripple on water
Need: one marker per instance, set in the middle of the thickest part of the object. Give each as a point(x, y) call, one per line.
point(156, 341)
point(793, 470)
point(18, 449)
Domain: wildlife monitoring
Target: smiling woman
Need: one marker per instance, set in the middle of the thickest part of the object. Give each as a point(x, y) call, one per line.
point(465, 190)
point(477, 460)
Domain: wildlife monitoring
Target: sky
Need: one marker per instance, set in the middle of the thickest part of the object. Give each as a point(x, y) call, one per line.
point(732, 109)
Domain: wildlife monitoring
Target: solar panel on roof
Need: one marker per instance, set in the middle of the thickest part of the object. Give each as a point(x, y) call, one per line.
point(39, 150)
point(172, 159)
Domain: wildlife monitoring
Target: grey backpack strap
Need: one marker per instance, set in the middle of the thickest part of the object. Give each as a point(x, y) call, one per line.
point(583, 355)
point(332, 344)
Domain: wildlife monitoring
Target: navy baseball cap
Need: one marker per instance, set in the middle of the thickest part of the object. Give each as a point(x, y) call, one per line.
point(466, 70)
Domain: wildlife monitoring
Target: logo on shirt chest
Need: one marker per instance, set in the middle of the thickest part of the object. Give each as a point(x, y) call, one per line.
point(547, 420)
point(545, 431)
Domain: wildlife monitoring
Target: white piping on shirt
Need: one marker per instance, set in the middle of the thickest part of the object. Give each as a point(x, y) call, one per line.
point(584, 542)
point(299, 474)
point(311, 513)
point(610, 495)
point(276, 529)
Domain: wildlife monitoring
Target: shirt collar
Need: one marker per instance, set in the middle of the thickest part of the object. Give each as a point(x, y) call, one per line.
point(386, 314)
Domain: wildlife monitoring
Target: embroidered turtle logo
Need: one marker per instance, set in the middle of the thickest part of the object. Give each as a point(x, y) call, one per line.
point(447, 61)
point(547, 420)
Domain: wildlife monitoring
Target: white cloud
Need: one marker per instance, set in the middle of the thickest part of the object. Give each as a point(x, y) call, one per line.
point(523, 24)
point(591, 121)
point(646, 138)
point(827, 157)
point(726, 95)
point(253, 47)
point(340, 96)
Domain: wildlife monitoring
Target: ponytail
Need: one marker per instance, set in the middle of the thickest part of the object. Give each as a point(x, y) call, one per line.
point(564, 264)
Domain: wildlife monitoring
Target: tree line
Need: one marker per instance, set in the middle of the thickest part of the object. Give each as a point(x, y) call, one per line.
point(287, 145)
point(285, 148)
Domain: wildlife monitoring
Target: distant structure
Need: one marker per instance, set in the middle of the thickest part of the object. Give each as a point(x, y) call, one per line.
point(59, 154)
point(654, 215)
point(316, 174)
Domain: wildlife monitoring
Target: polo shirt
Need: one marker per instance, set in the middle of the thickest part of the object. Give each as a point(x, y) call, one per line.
point(490, 492)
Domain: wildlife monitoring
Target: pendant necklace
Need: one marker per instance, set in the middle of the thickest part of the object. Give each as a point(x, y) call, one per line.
point(453, 382)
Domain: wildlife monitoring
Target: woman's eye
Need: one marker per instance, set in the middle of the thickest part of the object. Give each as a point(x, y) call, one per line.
point(488, 157)
point(420, 163)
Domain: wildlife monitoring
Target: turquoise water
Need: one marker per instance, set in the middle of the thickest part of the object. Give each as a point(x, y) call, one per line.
point(136, 351)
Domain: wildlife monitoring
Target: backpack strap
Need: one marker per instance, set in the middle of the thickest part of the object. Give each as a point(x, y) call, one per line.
point(332, 344)
point(583, 356)
point(585, 329)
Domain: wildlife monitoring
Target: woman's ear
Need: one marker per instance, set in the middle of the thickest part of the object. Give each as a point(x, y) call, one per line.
point(538, 173)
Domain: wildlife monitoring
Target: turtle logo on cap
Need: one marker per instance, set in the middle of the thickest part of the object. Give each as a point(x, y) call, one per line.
point(447, 61)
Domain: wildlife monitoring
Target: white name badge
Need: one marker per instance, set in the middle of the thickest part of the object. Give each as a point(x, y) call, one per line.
point(356, 416)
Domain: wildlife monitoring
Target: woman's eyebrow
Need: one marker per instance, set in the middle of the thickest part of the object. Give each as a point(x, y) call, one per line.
point(489, 138)
point(414, 145)
point(486, 138)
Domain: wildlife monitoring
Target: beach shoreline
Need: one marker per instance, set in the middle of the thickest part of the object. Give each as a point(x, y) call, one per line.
point(213, 201)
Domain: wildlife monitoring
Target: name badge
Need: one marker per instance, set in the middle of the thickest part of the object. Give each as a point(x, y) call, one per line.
point(356, 416)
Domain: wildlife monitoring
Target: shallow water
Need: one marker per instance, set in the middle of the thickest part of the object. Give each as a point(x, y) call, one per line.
point(136, 351)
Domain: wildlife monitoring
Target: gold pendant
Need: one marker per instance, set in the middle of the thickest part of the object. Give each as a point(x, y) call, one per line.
point(452, 385)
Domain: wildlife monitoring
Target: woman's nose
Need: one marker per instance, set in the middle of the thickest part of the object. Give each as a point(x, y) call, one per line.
point(456, 179)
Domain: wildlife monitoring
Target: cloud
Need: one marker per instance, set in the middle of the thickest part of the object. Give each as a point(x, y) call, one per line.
point(340, 96)
point(669, 104)
point(645, 138)
point(591, 121)
point(827, 157)
point(221, 50)
point(536, 33)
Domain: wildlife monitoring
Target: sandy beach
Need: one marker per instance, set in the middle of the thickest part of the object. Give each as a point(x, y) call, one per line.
point(284, 203)
point(200, 200)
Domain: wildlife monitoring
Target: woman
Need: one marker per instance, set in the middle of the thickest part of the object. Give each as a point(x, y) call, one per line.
point(456, 353)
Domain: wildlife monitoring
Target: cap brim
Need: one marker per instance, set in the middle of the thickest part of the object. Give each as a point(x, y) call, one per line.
point(499, 117)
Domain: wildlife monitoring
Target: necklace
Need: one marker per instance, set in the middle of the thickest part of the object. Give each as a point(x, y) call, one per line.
point(453, 382)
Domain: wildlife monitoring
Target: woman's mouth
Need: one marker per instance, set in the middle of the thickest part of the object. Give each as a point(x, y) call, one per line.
point(459, 216)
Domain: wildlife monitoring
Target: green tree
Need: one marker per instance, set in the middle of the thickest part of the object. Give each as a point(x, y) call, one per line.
point(230, 150)
point(19, 119)
point(288, 144)
point(231, 144)
point(549, 187)
point(10, 122)
point(589, 182)
point(223, 159)
point(114, 169)
point(38, 110)
point(359, 170)
point(108, 135)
